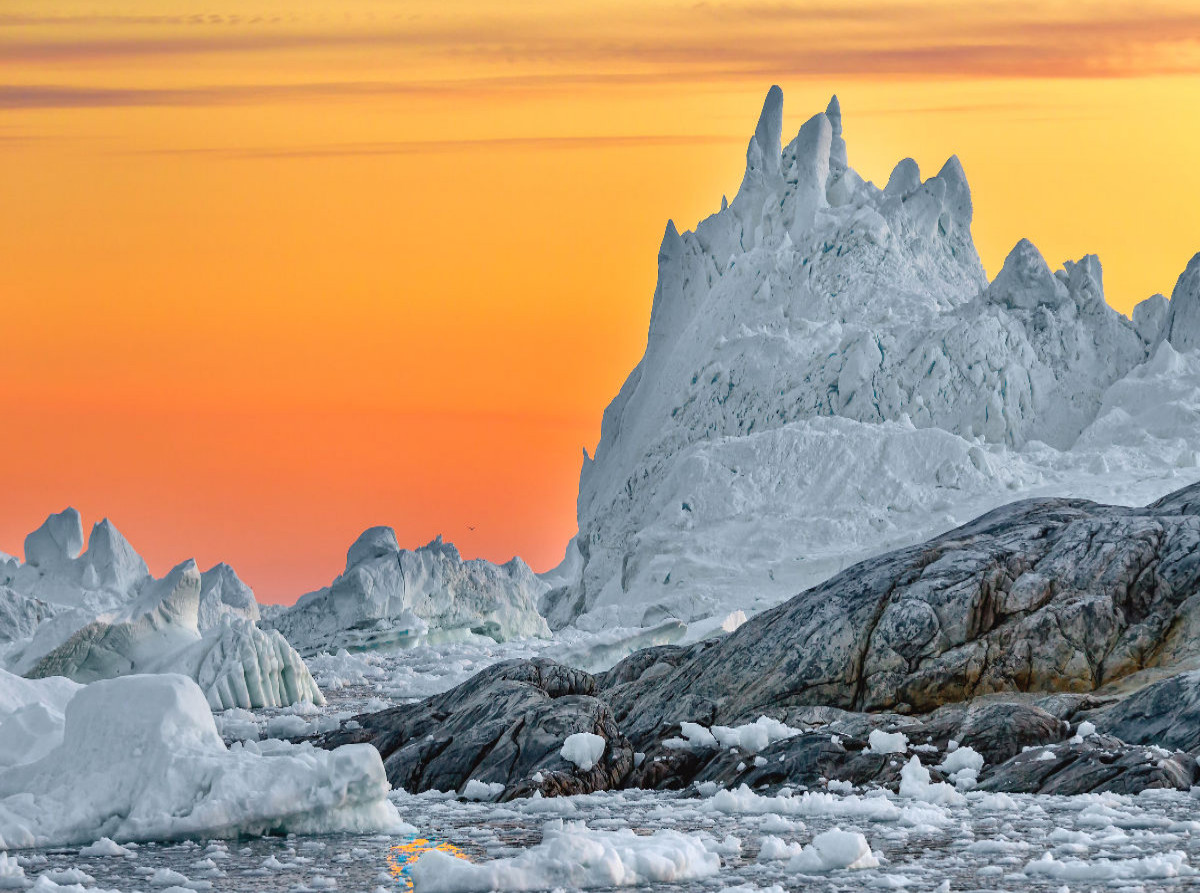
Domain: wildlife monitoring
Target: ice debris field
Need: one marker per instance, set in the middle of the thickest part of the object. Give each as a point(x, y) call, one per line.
point(829, 375)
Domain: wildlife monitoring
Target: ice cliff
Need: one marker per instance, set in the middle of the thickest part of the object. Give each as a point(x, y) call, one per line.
point(828, 373)
point(388, 595)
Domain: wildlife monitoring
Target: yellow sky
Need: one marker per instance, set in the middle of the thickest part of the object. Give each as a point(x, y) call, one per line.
point(274, 272)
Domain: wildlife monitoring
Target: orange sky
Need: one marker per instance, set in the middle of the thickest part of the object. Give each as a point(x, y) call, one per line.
point(275, 272)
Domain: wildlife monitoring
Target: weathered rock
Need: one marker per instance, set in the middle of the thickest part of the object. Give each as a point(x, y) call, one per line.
point(1044, 595)
point(1091, 765)
point(506, 725)
point(1166, 713)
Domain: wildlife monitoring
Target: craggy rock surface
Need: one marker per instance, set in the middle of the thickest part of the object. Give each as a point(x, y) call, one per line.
point(1042, 595)
point(1091, 765)
point(1001, 636)
point(505, 725)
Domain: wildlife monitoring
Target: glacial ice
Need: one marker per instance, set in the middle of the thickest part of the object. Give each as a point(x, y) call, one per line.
point(236, 663)
point(141, 759)
point(388, 595)
point(828, 374)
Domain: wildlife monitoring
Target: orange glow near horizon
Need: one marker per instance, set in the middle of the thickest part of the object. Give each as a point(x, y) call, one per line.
point(273, 273)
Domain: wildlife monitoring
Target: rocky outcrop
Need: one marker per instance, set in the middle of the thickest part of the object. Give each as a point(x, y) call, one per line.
point(506, 726)
point(1015, 636)
point(1043, 595)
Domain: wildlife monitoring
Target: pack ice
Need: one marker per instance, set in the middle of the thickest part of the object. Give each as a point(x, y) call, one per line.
point(388, 595)
point(828, 375)
point(101, 614)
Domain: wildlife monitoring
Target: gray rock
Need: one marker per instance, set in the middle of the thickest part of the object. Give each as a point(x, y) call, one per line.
point(1098, 763)
point(506, 725)
point(1166, 713)
point(1044, 595)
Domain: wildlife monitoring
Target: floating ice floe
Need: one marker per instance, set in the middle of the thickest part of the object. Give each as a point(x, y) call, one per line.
point(573, 856)
point(141, 760)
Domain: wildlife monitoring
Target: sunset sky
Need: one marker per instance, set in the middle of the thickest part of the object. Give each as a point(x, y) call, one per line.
point(274, 272)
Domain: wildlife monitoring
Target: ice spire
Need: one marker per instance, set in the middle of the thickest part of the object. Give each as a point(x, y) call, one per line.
point(1182, 325)
point(764, 150)
point(837, 147)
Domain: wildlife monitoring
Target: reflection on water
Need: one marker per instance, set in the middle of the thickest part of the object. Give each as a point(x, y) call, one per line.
point(403, 856)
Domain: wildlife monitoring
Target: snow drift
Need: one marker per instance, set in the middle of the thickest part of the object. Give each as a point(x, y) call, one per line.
point(828, 374)
point(388, 595)
point(141, 760)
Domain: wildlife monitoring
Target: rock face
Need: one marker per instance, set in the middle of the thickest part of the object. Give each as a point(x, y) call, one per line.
point(826, 358)
point(1042, 595)
point(388, 595)
point(235, 663)
point(996, 637)
point(505, 726)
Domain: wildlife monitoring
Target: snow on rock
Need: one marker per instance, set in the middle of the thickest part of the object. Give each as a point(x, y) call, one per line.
point(583, 749)
point(388, 595)
point(828, 375)
point(141, 760)
point(236, 663)
point(880, 741)
point(573, 856)
point(834, 849)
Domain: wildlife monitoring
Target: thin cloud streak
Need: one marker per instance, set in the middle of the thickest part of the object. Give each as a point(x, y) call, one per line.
point(426, 147)
point(988, 40)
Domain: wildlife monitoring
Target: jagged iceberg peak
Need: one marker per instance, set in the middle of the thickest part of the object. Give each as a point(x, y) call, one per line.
point(1182, 324)
point(58, 540)
point(374, 542)
point(815, 311)
point(394, 596)
point(222, 593)
point(110, 562)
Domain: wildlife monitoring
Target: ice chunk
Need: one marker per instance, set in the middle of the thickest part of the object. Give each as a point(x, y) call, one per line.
point(755, 736)
point(56, 542)
point(880, 741)
point(141, 760)
point(583, 749)
point(483, 791)
point(1182, 325)
point(916, 784)
point(834, 849)
point(574, 857)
